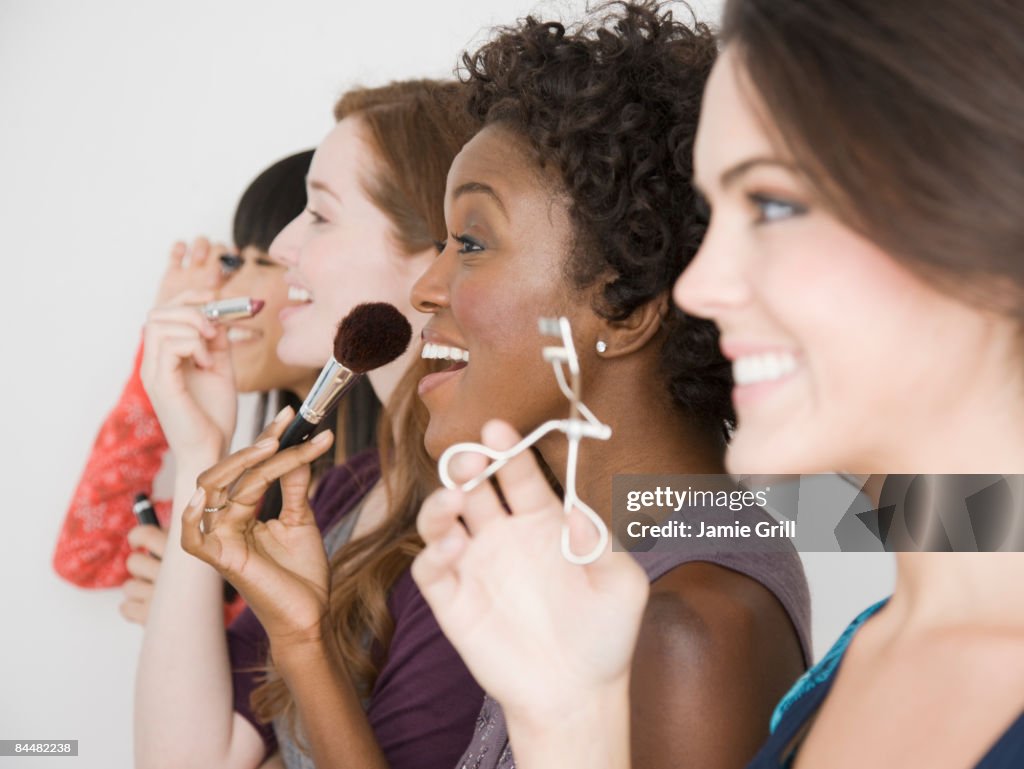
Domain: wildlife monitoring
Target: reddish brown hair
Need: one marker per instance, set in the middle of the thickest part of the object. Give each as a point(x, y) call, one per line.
point(415, 129)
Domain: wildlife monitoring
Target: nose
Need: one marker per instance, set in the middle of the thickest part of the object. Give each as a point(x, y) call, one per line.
point(713, 283)
point(285, 247)
point(431, 292)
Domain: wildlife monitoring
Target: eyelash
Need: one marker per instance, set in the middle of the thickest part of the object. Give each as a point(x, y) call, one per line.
point(231, 263)
point(765, 203)
point(317, 219)
point(469, 246)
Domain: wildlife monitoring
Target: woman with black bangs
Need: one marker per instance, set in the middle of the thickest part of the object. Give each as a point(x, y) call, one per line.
point(99, 532)
point(575, 199)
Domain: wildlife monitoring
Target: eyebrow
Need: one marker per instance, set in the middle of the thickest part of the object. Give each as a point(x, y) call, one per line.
point(479, 188)
point(315, 184)
point(732, 175)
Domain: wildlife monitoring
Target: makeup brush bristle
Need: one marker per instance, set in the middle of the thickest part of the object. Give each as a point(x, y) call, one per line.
point(370, 336)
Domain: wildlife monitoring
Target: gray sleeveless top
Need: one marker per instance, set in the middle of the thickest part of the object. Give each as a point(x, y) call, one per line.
point(780, 572)
point(293, 756)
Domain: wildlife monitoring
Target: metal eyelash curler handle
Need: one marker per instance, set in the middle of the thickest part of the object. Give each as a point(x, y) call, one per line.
point(498, 458)
point(574, 428)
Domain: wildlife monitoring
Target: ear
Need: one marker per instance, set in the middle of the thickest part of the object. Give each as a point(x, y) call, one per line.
point(632, 333)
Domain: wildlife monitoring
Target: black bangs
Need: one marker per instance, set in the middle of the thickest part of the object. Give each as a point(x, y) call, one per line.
point(273, 199)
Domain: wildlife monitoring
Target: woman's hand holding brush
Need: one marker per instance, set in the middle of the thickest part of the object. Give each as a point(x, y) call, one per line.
point(279, 566)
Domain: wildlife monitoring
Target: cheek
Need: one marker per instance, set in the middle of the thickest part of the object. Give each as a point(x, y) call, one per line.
point(480, 311)
point(499, 310)
point(272, 290)
point(239, 284)
point(322, 259)
point(844, 294)
point(859, 320)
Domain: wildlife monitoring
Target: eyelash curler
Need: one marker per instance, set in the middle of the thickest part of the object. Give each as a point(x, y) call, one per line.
point(575, 429)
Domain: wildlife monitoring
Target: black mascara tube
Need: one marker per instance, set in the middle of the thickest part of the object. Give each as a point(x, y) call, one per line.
point(144, 512)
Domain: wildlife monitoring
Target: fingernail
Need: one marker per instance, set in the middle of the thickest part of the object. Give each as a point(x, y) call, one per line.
point(283, 414)
point(197, 497)
point(321, 438)
point(266, 443)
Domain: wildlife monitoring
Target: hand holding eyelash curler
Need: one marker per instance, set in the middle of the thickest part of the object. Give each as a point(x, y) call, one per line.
point(575, 429)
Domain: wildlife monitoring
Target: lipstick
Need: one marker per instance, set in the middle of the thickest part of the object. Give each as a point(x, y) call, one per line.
point(236, 308)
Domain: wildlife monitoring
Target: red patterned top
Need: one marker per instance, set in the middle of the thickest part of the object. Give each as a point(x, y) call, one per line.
point(93, 544)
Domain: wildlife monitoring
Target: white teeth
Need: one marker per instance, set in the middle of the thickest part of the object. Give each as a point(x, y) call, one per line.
point(299, 294)
point(433, 351)
point(239, 334)
point(766, 367)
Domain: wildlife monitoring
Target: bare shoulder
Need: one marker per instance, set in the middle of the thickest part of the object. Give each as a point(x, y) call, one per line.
point(699, 607)
point(716, 652)
point(703, 598)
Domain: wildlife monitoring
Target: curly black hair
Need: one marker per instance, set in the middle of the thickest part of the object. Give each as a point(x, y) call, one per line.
point(613, 104)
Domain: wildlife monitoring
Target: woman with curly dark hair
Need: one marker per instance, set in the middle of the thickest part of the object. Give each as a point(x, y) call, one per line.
point(575, 199)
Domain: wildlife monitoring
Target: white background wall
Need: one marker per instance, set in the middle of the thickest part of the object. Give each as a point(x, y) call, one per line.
point(123, 126)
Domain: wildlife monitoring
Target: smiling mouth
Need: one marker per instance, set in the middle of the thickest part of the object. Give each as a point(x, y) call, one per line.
point(449, 360)
point(433, 351)
point(299, 295)
point(765, 367)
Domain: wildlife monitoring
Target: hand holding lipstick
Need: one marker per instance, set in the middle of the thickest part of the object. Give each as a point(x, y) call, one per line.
point(279, 566)
point(187, 372)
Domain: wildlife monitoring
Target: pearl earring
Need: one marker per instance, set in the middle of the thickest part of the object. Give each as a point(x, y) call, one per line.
point(601, 346)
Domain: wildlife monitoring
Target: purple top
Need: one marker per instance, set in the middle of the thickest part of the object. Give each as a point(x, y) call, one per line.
point(424, 704)
point(780, 572)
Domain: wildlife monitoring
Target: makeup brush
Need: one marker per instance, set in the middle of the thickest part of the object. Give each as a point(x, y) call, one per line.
point(370, 336)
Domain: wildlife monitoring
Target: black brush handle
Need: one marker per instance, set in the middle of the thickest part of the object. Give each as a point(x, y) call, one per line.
point(298, 431)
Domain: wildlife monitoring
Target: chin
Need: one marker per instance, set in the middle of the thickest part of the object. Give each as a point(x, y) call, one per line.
point(297, 354)
point(750, 454)
point(438, 436)
point(434, 443)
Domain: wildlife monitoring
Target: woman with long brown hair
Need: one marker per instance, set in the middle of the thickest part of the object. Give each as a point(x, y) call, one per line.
point(339, 658)
point(864, 164)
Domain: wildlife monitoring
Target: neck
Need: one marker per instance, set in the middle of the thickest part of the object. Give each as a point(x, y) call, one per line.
point(973, 434)
point(940, 589)
point(653, 437)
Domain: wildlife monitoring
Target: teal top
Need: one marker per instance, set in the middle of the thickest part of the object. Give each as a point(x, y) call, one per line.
point(808, 694)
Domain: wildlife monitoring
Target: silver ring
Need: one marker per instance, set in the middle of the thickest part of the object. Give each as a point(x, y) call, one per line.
point(216, 509)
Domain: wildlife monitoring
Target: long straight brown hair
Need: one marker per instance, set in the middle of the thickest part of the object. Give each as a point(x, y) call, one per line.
point(414, 129)
point(908, 119)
